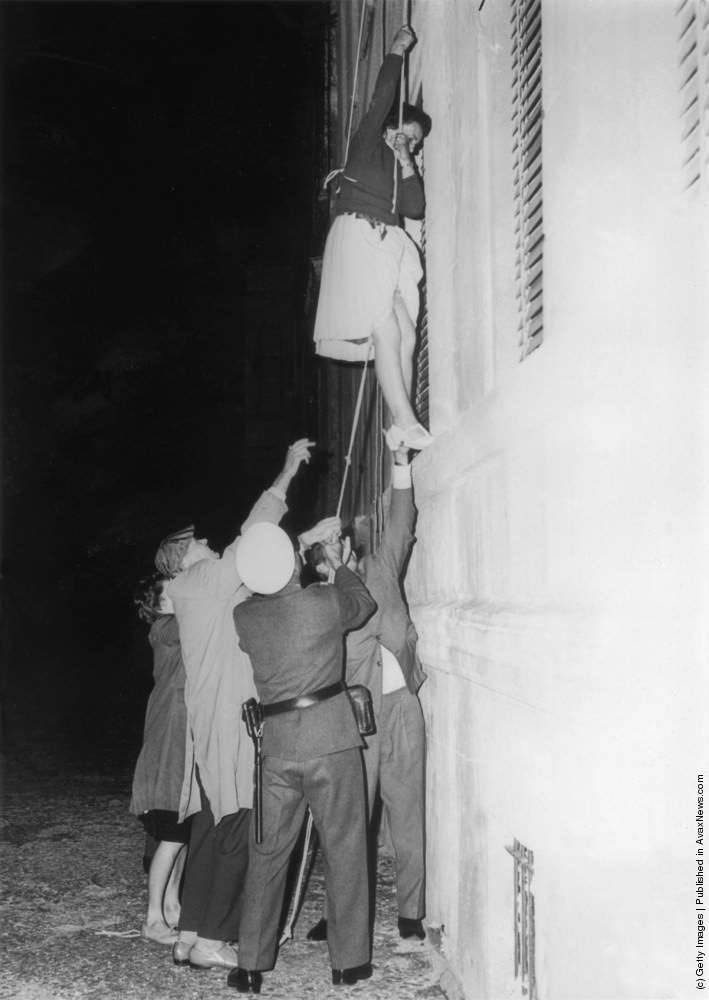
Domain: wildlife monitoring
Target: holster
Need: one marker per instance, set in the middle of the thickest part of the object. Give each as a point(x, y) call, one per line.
point(252, 715)
point(361, 701)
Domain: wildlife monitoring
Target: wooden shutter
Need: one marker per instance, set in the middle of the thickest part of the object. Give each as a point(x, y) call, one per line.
point(693, 39)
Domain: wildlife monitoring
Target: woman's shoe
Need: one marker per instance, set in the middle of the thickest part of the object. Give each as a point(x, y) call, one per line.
point(245, 980)
point(213, 955)
point(160, 933)
point(181, 952)
point(416, 437)
point(182, 947)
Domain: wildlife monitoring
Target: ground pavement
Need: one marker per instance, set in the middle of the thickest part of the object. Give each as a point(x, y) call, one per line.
point(72, 885)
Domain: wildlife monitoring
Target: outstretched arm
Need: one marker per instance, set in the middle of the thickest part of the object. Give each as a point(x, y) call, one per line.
point(298, 453)
point(221, 576)
point(398, 536)
point(370, 127)
point(271, 505)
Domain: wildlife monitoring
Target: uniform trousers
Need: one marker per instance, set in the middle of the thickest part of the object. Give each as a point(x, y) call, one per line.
point(333, 787)
point(215, 873)
point(395, 762)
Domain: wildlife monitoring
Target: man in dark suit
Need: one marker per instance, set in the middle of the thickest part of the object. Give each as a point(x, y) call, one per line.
point(311, 749)
point(382, 656)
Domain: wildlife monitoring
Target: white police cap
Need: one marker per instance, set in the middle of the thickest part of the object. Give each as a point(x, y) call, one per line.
point(265, 558)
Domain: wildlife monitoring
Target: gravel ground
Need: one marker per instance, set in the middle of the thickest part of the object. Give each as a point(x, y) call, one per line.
point(72, 882)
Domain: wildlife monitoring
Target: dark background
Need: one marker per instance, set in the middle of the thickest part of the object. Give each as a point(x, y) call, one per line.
point(160, 174)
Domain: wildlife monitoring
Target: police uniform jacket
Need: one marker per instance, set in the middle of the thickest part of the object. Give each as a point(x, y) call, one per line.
point(295, 640)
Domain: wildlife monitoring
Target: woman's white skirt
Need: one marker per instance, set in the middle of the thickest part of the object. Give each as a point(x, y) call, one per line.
point(361, 273)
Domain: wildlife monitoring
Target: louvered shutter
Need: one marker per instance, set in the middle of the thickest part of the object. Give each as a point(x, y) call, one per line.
point(693, 20)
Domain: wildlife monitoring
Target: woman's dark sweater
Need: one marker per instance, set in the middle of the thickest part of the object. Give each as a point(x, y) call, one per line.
point(367, 184)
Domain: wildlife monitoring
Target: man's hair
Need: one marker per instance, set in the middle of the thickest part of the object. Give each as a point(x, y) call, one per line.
point(410, 114)
point(315, 555)
point(147, 597)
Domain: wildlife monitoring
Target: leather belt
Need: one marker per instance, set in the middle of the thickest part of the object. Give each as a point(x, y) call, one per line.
point(304, 701)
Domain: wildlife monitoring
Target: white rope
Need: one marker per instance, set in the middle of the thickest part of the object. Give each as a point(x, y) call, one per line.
point(119, 934)
point(297, 894)
point(355, 421)
point(401, 125)
point(334, 173)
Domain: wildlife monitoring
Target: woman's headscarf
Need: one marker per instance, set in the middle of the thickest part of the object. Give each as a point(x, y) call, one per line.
point(171, 551)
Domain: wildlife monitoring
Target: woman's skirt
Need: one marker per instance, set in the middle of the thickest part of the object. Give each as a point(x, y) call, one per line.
point(364, 266)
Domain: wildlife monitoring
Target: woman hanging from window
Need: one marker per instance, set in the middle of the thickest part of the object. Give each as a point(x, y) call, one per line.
point(369, 295)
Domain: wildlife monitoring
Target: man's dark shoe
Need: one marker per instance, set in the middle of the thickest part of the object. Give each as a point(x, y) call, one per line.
point(318, 932)
point(348, 977)
point(409, 928)
point(245, 980)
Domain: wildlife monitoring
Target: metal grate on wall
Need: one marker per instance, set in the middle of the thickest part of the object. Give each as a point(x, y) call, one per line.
point(523, 918)
point(527, 119)
point(693, 40)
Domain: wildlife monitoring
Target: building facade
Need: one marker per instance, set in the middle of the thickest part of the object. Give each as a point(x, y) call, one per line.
point(559, 581)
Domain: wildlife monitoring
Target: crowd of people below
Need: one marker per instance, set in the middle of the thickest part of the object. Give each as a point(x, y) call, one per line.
point(243, 628)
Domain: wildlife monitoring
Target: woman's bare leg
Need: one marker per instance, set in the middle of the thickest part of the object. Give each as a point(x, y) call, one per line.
point(408, 342)
point(160, 870)
point(387, 365)
point(171, 899)
point(393, 363)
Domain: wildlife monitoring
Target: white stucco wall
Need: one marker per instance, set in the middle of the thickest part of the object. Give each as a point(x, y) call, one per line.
point(559, 580)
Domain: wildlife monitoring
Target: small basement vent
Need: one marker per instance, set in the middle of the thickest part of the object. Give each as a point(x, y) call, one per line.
point(523, 918)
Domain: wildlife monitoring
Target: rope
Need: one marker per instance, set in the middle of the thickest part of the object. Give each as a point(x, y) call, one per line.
point(355, 421)
point(334, 173)
point(401, 124)
point(119, 934)
point(298, 892)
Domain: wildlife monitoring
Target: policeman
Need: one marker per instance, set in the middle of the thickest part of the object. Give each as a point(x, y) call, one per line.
point(311, 749)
